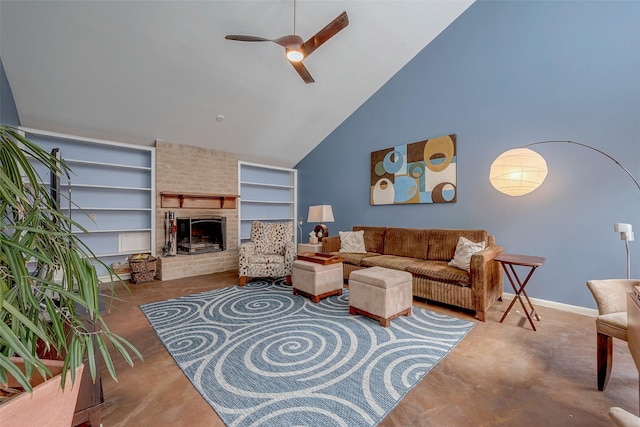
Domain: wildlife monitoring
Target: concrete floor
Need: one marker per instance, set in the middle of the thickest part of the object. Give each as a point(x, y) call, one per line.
point(499, 375)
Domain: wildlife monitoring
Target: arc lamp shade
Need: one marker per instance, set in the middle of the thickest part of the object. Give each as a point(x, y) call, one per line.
point(518, 171)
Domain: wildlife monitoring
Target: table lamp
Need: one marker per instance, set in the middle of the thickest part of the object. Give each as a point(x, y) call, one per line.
point(321, 214)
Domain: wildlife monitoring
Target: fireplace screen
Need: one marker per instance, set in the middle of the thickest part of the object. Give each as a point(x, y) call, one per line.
point(201, 235)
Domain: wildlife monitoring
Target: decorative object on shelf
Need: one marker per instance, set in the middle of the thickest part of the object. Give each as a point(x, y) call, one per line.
point(320, 213)
point(46, 260)
point(420, 172)
point(626, 234)
point(520, 171)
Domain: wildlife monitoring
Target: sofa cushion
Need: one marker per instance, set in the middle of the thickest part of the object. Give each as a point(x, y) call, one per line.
point(352, 241)
point(388, 261)
point(353, 258)
point(439, 270)
point(464, 250)
point(443, 242)
point(373, 238)
point(406, 242)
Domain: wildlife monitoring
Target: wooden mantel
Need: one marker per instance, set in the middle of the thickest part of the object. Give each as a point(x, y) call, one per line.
point(197, 201)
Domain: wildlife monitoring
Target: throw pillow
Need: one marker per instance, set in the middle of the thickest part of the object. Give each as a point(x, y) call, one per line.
point(464, 250)
point(352, 241)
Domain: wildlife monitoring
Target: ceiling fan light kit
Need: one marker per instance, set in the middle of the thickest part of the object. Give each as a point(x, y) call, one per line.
point(294, 55)
point(295, 49)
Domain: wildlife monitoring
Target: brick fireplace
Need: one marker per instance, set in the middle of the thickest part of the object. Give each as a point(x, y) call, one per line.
point(188, 169)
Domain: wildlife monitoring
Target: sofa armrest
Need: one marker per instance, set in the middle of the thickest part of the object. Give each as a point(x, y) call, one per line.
point(331, 244)
point(486, 277)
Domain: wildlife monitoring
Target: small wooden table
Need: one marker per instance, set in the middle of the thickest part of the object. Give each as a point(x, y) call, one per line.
point(508, 262)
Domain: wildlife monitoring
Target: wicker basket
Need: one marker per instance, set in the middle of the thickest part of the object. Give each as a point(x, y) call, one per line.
point(145, 276)
point(143, 265)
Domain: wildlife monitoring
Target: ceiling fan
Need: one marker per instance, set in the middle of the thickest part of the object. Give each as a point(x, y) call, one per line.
point(295, 48)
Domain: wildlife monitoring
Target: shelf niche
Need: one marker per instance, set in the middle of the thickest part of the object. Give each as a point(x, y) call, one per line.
point(198, 201)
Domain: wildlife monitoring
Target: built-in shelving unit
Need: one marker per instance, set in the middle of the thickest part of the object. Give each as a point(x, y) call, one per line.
point(109, 192)
point(267, 193)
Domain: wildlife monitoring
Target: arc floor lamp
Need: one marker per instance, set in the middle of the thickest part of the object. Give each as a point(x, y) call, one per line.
point(519, 171)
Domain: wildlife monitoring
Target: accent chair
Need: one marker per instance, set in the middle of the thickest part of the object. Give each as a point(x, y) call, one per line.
point(611, 299)
point(270, 253)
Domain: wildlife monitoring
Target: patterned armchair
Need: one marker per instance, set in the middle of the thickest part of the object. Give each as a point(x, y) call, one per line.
point(270, 253)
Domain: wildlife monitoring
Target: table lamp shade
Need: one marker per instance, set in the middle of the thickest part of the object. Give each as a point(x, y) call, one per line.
point(518, 171)
point(320, 213)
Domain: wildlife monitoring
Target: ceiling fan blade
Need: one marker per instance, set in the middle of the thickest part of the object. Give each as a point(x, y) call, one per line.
point(330, 30)
point(241, 38)
point(302, 70)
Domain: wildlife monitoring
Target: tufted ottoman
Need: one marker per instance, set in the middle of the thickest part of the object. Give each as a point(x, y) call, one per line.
point(380, 293)
point(316, 281)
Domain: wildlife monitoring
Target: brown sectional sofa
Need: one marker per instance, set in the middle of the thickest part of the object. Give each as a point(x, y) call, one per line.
point(425, 253)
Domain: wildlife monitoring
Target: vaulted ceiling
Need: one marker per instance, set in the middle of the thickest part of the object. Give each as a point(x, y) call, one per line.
point(137, 71)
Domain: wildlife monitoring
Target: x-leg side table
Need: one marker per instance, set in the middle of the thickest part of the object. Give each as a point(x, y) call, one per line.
point(508, 261)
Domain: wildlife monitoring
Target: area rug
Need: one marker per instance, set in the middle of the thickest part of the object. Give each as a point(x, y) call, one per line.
point(263, 357)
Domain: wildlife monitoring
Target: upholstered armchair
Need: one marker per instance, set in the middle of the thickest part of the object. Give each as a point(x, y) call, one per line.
point(611, 298)
point(270, 253)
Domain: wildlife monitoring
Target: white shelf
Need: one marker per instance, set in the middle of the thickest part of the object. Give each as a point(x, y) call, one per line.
point(117, 230)
point(107, 187)
point(262, 184)
point(105, 209)
point(271, 202)
point(107, 165)
point(266, 219)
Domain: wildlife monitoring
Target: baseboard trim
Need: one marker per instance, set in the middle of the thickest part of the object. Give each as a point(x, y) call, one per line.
point(114, 278)
point(591, 312)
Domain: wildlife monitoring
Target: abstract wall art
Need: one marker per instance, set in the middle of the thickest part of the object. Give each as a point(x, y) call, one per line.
point(420, 172)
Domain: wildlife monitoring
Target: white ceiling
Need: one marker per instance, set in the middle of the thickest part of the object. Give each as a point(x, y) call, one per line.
point(137, 71)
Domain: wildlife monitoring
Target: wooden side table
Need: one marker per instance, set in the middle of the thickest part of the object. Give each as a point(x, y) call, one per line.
point(508, 261)
point(309, 247)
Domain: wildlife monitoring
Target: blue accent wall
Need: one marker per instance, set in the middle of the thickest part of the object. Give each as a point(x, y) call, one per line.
point(502, 75)
point(8, 110)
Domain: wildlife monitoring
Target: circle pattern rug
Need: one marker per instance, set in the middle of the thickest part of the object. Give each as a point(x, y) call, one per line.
point(261, 356)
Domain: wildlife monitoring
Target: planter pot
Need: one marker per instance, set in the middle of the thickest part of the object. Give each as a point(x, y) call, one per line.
point(48, 405)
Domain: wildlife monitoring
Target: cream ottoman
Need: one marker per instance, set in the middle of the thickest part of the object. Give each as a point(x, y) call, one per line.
point(380, 293)
point(316, 281)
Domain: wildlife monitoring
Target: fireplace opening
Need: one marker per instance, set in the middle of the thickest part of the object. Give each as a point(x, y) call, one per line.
point(199, 235)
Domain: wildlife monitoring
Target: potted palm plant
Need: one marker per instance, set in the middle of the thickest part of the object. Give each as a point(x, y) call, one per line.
point(49, 289)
